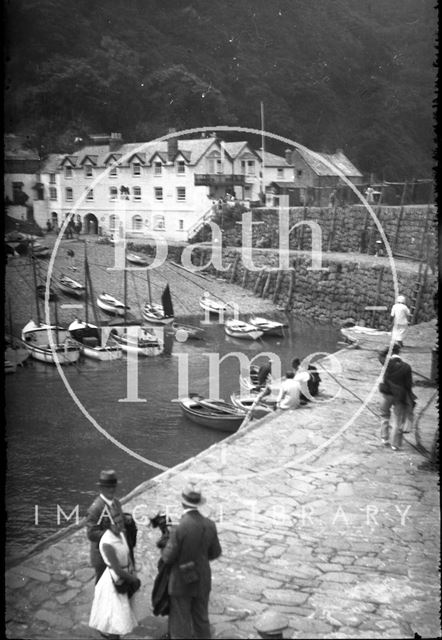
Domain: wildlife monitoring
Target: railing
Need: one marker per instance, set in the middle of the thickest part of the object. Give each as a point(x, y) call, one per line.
point(220, 179)
point(199, 224)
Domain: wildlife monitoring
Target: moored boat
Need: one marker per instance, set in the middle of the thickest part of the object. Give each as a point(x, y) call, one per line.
point(214, 414)
point(211, 305)
point(141, 342)
point(159, 314)
point(243, 330)
point(247, 402)
point(71, 287)
point(185, 332)
point(90, 339)
point(134, 258)
point(111, 305)
point(268, 327)
point(354, 334)
point(36, 339)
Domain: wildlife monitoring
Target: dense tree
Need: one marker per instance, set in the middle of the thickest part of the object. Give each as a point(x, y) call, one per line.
point(331, 73)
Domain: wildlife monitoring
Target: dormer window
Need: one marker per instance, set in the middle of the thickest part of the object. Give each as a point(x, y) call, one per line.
point(280, 173)
point(136, 169)
point(113, 171)
point(180, 166)
point(157, 168)
point(68, 171)
point(88, 171)
point(52, 178)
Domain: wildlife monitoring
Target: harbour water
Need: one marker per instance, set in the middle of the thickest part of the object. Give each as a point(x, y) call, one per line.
point(55, 452)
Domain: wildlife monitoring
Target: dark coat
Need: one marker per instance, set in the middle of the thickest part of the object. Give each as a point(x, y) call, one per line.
point(398, 382)
point(195, 539)
point(97, 521)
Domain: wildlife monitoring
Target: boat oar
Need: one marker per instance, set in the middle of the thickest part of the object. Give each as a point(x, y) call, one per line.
point(249, 414)
point(219, 409)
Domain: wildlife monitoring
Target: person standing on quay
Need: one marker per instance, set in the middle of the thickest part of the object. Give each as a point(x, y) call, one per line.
point(189, 549)
point(401, 315)
point(396, 392)
point(104, 510)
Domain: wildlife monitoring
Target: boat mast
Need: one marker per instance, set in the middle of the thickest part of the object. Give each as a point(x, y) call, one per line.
point(88, 284)
point(263, 156)
point(148, 286)
point(34, 272)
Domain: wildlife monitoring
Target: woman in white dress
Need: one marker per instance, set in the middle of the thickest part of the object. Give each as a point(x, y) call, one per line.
point(111, 612)
point(401, 315)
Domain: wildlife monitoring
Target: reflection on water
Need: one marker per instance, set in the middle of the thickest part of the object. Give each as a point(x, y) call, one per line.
point(55, 453)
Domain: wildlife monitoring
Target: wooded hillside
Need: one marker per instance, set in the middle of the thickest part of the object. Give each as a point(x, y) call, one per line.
point(354, 74)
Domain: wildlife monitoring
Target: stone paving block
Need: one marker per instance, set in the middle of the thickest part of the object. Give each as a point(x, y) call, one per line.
point(342, 577)
point(310, 625)
point(284, 597)
point(15, 580)
point(66, 597)
point(55, 620)
point(84, 574)
point(34, 574)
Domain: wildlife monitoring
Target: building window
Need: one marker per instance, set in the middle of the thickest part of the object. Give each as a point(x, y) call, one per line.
point(113, 171)
point(159, 223)
point(52, 193)
point(69, 193)
point(180, 225)
point(113, 222)
point(52, 178)
point(136, 169)
point(280, 173)
point(136, 193)
point(68, 172)
point(158, 193)
point(157, 168)
point(137, 223)
point(180, 167)
point(113, 193)
point(248, 167)
point(181, 194)
point(299, 173)
point(90, 194)
point(88, 172)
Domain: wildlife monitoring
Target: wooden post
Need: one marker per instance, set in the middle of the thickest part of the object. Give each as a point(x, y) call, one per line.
point(291, 290)
point(277, 285)
point(378, 291)
point(244, 278)
point(399, 220)
point(258, 281)
point(235, 266)
point(378, 215)
point(267, 285)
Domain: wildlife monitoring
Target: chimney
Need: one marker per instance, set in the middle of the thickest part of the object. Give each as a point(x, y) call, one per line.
point(172, 146)
point(115, 141)
point(288, 156)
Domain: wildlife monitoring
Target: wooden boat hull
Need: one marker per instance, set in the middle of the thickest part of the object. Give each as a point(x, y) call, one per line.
point(87, 337)
point(212, 306)
point(206, 417)
point(112, 308)
point(153, 314)
point(140, 261)
point(260, 410)
point(356, 333)
point(75, 290)
point(242, 330)
point(36, 340)
point(138, 346)
point(268, 327)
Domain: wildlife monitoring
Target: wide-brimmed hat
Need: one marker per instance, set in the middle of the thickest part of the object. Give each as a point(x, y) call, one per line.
point(108, 479)
point(191, 495)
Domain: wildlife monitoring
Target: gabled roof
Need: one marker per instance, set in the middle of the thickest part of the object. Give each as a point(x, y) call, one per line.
point(272, 160)
point(141, 157)
point(339, 160)
point(91, 158)
point(112, 156)
point(72, 160)
point(161, 156)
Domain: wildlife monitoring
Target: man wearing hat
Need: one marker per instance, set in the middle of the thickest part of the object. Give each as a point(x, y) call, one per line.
point(104, 511)
point(191, 546)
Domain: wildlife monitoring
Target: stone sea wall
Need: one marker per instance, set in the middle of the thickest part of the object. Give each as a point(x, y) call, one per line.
point(342, 289)
point(410, 230)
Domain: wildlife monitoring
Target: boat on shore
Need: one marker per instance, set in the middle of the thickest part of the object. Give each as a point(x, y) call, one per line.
point(71, 287)
point(135, 258)
point(111, 305)
point(242, 330)
point(354, 334)
point(211, 305)
point(158, 314)
point(36, 339)
point(89, 338)
point(268, 327)
point(214, 414)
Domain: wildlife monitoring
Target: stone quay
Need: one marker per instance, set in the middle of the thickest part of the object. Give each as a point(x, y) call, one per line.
point(319, 522)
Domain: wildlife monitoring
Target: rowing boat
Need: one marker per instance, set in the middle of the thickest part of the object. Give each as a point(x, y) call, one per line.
point(214, 414)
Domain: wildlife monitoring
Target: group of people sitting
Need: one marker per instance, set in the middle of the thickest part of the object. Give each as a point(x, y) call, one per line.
point(298, 387)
